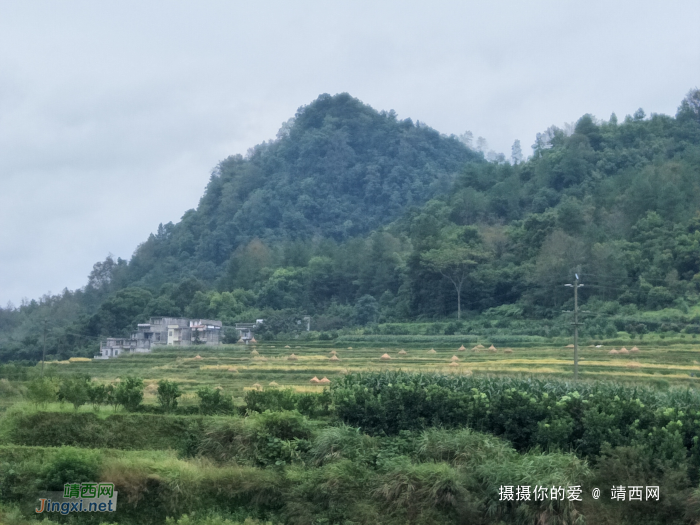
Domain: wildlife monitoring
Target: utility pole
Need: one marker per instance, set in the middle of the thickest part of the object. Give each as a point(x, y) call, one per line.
point(576, 324)
point(43, 352)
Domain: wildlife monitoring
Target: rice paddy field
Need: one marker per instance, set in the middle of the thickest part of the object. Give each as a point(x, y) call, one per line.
point(236, 368)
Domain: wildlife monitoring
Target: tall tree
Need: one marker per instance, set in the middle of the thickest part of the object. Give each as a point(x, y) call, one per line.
point(455, 261)
point(516, 153)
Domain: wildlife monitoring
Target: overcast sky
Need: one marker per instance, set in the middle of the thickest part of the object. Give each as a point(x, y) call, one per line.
point(112, 114)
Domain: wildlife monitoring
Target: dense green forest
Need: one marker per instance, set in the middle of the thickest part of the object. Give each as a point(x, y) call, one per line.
point(358, 218)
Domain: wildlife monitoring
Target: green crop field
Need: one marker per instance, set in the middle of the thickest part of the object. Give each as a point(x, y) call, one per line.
point(432, 434)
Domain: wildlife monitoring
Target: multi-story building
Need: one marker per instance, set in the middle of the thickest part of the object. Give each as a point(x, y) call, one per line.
point(163, 331)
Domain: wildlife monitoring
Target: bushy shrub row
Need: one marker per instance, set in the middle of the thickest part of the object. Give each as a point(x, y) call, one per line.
point(528, 412)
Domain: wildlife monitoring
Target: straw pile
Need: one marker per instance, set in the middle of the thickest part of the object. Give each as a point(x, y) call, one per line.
point(624, 350)
point(325, 381)
point(254, 352)
point(315, 380)
point(493, 349)
point(454, 363)
point(273, 384)
point(455, 358)
point(292, 358)
point(257, 386)
point(613, 352)
point(432, 351)
point(634, 350)
point(385, 357)
point(461, 349)
point(508, 351)
point(334, 358)
point(403, 352)
point(198, 356)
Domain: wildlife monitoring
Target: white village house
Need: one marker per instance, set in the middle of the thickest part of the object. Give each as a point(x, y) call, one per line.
point(163, 331)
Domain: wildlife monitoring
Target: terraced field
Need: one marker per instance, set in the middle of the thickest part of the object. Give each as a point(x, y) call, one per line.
point(236, 368)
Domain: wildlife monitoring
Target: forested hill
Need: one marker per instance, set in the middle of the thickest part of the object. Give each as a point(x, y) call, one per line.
point(357, 218)
point(338, 169)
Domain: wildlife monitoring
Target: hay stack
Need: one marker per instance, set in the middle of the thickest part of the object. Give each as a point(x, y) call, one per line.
point(493, 349)
point(273, 384)
point(253, 340)
point(624, 350)
point(634, 350)
point(461, 349)
point(432, 351)
point(480, 346)
point(403, 352)
point(569, 346)
point(334, 358)
point(454, 363)
point(292, 358)
point(257, 386)
point(325, 381)
point(198, 356)
point(254, 352)
point(287, 346)
point(613, 352)
point(333, 352)
point(476, 348)
point(385, 357)
point(349, 347)
point(508, 351)
point(314, 380)
point(455, 358)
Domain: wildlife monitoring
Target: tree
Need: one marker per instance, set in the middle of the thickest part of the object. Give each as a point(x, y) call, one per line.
point(467, 138)
point(212, 402)
point(168, 392)
point(41, 391)
point(75, 390)
point(516, 153)
point(97, 394)
point(129, 393)
point(111, 396)
point(690, 106)
point(455, 261)
point(366, 310)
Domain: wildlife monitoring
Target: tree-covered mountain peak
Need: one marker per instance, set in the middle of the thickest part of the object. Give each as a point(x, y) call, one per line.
point(337, 169)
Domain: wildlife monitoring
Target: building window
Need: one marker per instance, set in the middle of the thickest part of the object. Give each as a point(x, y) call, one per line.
point(171, 333)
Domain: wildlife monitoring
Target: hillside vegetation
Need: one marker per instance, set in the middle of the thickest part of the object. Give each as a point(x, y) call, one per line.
point(358, 218)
